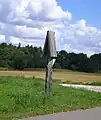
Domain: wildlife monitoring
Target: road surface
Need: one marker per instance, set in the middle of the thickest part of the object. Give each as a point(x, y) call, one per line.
point(90, 114)
point(88, 87)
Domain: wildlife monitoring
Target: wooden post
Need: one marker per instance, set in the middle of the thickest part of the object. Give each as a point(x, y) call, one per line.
point(50, 53)
point(48, 81)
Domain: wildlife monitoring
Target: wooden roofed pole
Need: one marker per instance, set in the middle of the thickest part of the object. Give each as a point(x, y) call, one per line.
point(51, 54)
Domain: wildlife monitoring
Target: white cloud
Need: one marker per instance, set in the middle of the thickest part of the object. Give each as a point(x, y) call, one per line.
point(80, 37)
point(27, 21)
point(2, 38)
point(16, 41)
point(16, 11)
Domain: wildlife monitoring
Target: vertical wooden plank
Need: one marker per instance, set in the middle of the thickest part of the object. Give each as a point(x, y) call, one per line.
point(48, 81)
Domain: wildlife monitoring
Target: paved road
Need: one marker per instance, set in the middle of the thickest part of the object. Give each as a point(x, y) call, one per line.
point(88, 87)
point(90, 114)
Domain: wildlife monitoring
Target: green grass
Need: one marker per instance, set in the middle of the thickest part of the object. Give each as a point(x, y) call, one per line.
point(23, 97)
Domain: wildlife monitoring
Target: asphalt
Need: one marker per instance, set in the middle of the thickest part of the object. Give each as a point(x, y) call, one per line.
point(89, 114)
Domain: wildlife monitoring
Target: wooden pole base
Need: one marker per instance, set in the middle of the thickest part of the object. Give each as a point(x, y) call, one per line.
point(48, 80)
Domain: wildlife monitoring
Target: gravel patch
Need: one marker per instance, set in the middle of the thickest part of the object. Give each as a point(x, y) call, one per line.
point(88, 87)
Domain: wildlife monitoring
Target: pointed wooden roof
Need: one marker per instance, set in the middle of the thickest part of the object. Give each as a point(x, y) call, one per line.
point(50, 45)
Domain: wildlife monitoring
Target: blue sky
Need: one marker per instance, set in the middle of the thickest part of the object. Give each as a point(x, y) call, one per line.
point(90, 10)
point(76, 23)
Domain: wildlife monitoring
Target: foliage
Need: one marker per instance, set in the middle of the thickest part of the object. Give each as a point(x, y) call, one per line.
point(18, 57)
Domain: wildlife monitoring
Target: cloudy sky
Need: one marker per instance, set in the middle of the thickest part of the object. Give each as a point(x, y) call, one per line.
point(75, 22)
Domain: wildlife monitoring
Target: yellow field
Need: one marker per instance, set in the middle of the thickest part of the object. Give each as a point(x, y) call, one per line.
point(59, 75)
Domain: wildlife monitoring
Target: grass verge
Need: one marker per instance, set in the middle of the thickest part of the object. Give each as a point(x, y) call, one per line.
point(24, 97)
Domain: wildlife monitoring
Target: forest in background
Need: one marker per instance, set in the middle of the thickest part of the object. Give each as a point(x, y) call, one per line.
point(27, 57)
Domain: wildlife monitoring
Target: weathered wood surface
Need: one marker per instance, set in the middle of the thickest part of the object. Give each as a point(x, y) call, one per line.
point(51, 54)
point(48, 81)
point(50, 45)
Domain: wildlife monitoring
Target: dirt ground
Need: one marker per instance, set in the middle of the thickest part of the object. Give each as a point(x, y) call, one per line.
point(59, 75)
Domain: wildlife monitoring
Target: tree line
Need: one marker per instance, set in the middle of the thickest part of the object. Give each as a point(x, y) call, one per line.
point(17, 57)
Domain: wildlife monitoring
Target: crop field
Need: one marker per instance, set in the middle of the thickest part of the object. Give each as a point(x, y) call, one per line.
point(61, 75)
